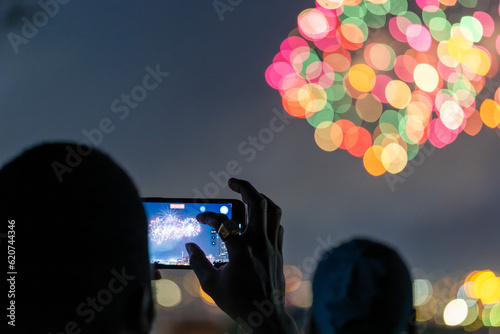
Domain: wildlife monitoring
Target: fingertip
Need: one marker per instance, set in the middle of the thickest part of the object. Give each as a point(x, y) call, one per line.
point(199, 262)
point(208, 217)
point(194, 250)
point(189, 247)
point(234, 184)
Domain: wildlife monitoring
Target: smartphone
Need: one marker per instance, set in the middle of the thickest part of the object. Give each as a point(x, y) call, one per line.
point(172, 222)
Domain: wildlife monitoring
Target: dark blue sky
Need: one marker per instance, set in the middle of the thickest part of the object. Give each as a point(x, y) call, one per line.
point(196, 127)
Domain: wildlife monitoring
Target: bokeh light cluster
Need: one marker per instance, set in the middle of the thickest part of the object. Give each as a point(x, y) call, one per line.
point(472, 302)
point(180, 290)
point(422, 76)
point(171, 227)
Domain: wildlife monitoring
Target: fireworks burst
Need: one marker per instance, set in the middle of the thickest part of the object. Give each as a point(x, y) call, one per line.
point(168, 226)
point(425, 76)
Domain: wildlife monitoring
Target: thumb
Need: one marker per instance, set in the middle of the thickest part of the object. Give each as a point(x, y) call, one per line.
point(203, 269)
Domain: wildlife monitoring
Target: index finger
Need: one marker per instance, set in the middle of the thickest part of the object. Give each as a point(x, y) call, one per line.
point(257, 208)
point(273, 221)
point(211, 218)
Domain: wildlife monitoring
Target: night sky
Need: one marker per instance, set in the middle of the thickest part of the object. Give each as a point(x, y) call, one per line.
point(208, 113)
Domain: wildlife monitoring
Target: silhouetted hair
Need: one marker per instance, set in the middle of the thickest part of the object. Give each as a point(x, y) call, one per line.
point(80, 242)
point(362, 287)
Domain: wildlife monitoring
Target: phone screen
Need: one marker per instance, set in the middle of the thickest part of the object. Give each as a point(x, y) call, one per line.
point(172, 223)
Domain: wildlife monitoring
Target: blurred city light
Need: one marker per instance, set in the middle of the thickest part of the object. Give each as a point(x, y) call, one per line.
point(470, 300)
point(168, 293)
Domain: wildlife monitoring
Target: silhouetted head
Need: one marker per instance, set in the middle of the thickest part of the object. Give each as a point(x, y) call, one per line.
point(80, 241)
point(362, 287)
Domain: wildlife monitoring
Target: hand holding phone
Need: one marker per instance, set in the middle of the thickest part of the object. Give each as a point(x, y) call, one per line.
point(250, 288)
